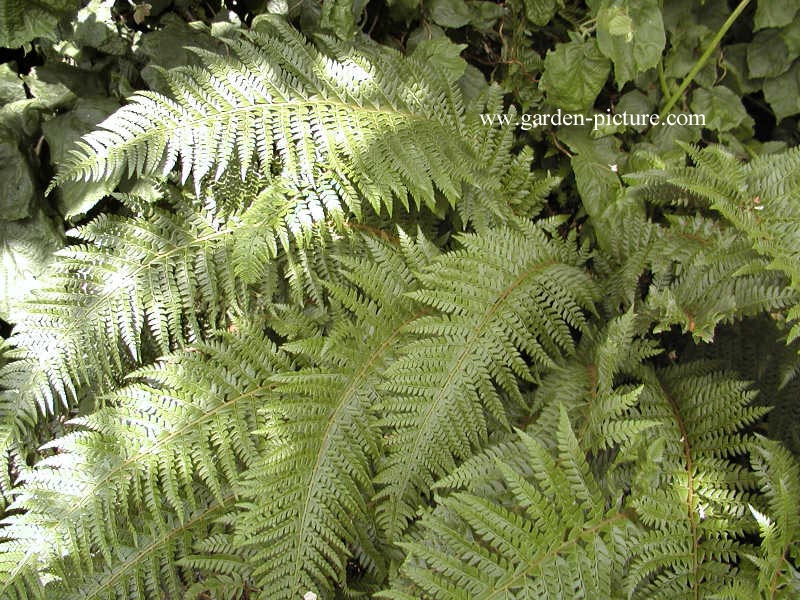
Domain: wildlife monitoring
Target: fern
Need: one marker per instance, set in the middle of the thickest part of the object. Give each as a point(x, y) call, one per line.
point(307, 496)
point(694, 501)
point(776, 575)
point(110, 513)
point(258, 385)
point(506, 296)
point(339, 125)
point(756, 198)
point(559, 535)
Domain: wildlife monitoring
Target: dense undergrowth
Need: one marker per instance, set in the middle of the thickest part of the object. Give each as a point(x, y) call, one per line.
point(289, 311)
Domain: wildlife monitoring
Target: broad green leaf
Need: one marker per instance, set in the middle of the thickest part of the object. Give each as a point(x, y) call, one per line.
point(686, 46)
point(17, 189)
point(341, 16)
point(10, 85)
point(770, 13)
point(95, 27)
point(23, 20)
point(26, 248)
point(596, 164)
point(768, 55)
point(791, 36)
point(50, 92)
point(736, 71)
point(723, 109)
point(444, 54)
point(450, 13)
point(484, 14)
point(574, 74)
point(631, 34)
point(541, 12)
point(166, 47)
point(783, 93)
point(598, 184)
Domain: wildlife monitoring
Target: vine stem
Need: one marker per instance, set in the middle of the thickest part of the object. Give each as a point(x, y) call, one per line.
point(704, 58)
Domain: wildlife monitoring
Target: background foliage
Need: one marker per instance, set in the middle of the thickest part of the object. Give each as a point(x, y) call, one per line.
point(282, 316)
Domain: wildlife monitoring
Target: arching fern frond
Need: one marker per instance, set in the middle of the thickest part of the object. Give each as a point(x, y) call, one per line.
point(166, 275)
point(111, 513)
point(363, 122)
point(505, 297)
point(706, 274)
point(758, 198)
point(690, 493)
point(307, 497)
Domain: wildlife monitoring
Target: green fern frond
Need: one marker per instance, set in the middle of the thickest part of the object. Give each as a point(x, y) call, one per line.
point(690, 493)
point(521, 192)
point(776, 574)
point(306, 496)
point(506, 297)
point(166, 275)
point(705, 274)
point(126, 488)
point(758, 198)
point(354, 123)
point(560, 536)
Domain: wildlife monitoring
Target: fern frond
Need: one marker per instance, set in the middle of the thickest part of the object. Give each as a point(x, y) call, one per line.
point(521, 192)
point(306, 496)
point(559, 537)
point(778, 474)
point(125, 489)
point(354, 123)
point(506, 297)
point(689, 493)
point(705, 274)
point(166, 275)
point(757, 198)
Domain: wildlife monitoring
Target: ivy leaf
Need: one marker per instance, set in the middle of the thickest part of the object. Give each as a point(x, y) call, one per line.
point(26, 248)
point(774, 14)
point(443, 53)
point(17, 190)
point(450, 13)
point(783, 93)
point(485, 14)
point(20, 22)
point(10, 85)
point(541, 12)
point(768, 55)
point(723, 109)
point(632, 35)
point(574, 74)
point(342, 17)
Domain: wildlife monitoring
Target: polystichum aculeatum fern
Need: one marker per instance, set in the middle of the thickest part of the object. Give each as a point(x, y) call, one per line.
point(361, 354)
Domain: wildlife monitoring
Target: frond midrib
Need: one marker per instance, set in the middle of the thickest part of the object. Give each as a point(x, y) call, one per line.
point(441, 396)
point(502, 592)
point(77, 170)
point(689, 460)
point(352, 387)
point(161, 541)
